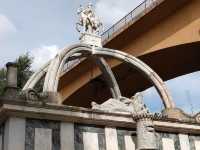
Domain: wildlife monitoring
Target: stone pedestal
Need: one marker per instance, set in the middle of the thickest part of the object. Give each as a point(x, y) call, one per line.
point(11, 78)
point(11, 75)
point(146, 138)
point(91, 39)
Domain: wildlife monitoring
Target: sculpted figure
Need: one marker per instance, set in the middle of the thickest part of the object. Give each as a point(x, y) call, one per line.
point(88, 20)
point(134, 105)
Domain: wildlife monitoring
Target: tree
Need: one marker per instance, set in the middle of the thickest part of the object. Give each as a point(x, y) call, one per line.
point(24, 71)
point(2, 80)
point(24, 63)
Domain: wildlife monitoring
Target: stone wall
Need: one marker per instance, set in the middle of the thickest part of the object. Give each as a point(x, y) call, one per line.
point(94, 138)
point(52, 127)
point(55, 135)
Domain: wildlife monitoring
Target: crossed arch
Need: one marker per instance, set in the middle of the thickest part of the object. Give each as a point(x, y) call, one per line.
point(55, 68)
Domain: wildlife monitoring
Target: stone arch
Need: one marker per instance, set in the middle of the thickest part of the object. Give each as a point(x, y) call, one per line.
point(35, 78)
point(56, 66)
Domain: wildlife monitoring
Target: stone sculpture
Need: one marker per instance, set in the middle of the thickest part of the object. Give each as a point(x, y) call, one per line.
point(30, 95)
point(88, 20)
point(134, 105)
point(146, 138)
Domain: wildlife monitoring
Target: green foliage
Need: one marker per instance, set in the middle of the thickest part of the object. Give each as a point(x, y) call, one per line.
point(24, 72)
point(2, 80)
point(24, 69)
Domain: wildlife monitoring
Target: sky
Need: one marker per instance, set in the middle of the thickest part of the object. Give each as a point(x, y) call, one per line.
point(43, 27)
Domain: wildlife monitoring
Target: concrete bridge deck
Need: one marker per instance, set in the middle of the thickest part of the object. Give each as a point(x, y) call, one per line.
point(166, 38)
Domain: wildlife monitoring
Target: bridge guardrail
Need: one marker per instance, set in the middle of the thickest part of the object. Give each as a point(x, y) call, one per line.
point(129, 19)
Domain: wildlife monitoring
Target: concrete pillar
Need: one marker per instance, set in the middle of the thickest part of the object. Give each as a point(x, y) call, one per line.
point(146, 138)
point(11, 75)
point(14, 134)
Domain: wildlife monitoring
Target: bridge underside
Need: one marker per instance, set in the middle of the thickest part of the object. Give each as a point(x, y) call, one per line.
point(167, 39)
point(184, 58)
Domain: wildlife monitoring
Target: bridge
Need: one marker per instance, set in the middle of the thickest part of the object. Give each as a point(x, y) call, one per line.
point(165, 35)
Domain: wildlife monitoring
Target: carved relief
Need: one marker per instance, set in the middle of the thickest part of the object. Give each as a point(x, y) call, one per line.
point(32, 95)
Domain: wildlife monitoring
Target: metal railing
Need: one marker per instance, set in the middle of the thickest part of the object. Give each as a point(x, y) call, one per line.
point(129, 19)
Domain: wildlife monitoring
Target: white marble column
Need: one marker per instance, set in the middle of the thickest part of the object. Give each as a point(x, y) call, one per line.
point(111, 138)
point(90, 141)
point(67, 136)
point(184, 142)
point(168, 144)
point(129, 143)
point(14, 135)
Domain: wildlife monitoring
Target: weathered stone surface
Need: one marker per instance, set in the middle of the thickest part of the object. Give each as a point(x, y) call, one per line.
point(135, 105)
point(173, 137)
point(11, 75)
point(177, 114)
point(146, 138)
point(90, 141)
point(197, 145)
point(192, 140)
point(168, 144)
point(31, 95)
point(88, 20)
point(32, 124)
point(43, 139)
point(55, 68)
point(67, 136)
point(126, 138)
point(112, 105)
point(81, 129)
point(111, 138)
point(138, 104)
point(184, 142)
point(129, 143)
point(14, 135)
point(91, 39)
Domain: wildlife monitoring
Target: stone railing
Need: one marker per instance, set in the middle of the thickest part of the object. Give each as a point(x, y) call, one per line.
point(129, 19)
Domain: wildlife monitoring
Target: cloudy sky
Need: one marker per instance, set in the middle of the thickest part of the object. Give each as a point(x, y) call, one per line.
point(42, 27)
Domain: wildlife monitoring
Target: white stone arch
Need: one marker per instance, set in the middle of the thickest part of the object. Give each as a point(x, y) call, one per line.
point(55, 68)
point(35, 78)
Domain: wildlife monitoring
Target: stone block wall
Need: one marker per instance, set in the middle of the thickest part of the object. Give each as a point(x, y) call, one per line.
point(36, 134)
